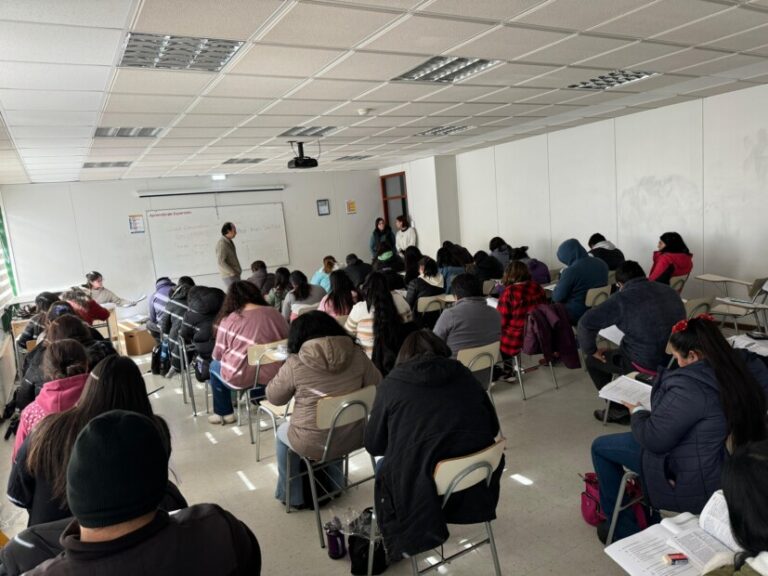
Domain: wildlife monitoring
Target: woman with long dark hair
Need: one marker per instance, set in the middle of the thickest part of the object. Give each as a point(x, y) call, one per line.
point(378, 322)
point(411, 258)
point(714, 402)
point(38, 480)
point(245, 319)
point(429, 283)
point(342, 296)
point(280, 290)
point(302, 294)
point(381, 234)
point(671, 259)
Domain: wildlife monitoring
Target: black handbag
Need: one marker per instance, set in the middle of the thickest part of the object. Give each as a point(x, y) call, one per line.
point(359, 545)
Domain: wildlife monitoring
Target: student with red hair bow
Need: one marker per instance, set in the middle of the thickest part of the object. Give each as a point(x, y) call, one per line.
point(712, 403)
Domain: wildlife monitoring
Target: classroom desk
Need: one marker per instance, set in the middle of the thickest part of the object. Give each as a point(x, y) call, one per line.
point(754, 307)
point(722, 280)
point(747, 343)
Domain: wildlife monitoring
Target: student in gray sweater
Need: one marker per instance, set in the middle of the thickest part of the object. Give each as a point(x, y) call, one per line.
point(470, 322)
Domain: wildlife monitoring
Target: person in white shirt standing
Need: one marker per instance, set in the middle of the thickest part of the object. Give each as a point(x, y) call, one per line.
point(406, 235)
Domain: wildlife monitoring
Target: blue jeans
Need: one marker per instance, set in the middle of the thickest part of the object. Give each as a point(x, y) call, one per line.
point(610, 454)
point(222, 396)
point(334, 471)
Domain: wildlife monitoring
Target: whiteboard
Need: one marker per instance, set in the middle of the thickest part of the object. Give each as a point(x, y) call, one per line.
point(184, 239)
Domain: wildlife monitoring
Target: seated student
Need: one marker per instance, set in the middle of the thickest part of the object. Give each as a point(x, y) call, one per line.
point(197, 326)
point(323, 361)
point(388, 259)
point(645, 312)
point(157, 302)
point(322, 277)
point(500, 250)
point(406, 234)
point(85, 306)
point(94, 287)
point(279, 291)
point(487, 267)
point(382, 234)
point(521, 295)
point(378, 322)
point(38, 480)
point(715, 401)
point(65, 368)
point(260, 278)
point(244, 320)
point(470, 322)
point(581, 274)
point(429, 283)
point(429, 408)
point(301, 294)
point(746, 494)
point(342, 296)
point(116, 481)
point(411, 258)
point(357, 270)
point(36, 324)
point(539, 271)
point(446, 264)
point(599, 247)
point(172, 319)
point(671, 259)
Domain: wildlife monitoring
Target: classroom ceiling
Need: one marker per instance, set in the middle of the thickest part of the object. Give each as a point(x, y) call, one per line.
point(319, 63)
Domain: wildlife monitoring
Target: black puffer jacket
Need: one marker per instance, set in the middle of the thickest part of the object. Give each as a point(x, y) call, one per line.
point(174, 316)
point(197, 328)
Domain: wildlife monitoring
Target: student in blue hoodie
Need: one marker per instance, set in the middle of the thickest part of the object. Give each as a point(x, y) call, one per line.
point(581, 274)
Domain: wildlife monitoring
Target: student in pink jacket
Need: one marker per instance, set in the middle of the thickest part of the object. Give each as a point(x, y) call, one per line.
point(65, 366)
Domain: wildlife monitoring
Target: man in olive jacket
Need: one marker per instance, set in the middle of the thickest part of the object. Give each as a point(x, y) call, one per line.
point(226, 255)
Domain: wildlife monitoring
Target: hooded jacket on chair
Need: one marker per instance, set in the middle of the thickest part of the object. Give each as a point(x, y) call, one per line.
point(203, 304)
point(427, 410)
point(548, 332)
point(581, 274)
point(174, 316)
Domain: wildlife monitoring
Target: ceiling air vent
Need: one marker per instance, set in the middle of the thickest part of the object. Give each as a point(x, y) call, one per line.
point(177, 52)
point(612, 79)
point(243, 161)
point(446, 69)
point(352, 158)
point(308, 131)
point(444, 130)
point(122, 164)
point(126, 132)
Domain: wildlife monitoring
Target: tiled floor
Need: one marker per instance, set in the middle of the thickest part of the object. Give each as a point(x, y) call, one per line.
point(539, 528)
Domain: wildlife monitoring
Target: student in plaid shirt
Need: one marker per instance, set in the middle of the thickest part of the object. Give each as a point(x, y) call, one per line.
point(520, 296)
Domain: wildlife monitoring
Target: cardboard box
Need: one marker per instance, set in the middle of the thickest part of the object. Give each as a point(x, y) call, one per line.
point(138, 342)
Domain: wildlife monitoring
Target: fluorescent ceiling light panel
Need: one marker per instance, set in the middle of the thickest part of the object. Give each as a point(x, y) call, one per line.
point(351, 158)
point(243, 161)
point(444, 130)
point(446, 69)
point(612, 79)
point(122, 164)
point(308, 131)
point(177, 52)
point(126, 132)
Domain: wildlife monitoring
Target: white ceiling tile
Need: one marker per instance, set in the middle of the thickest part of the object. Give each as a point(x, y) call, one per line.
point(631, 55)
point(375, 107)
point(47, 143)
point(58, 44)
point(159, 153)
point(460, 93)
point(515, 94)
point(577, 14)
point(372, 66)
point(722, 65)
point(553, 97)
point(53, 152)
point(427, 35)
point(723, 88)
point(723, 24)
point(389, 121)
point(146, 103)
point(228, 19)
point(660, 16)
point(211, 120)
point(177, 142)
point(116, 119)
point(123, 142)
point(342, 27)
point(96, 13)
point(402, 91)
point(509, 43)
point(101, 174)
point(421, 108)
point(36, 76)
point(278, 121)
point(50, 100)
point(52, 132)
point(359, 131)
point(266, 60)
point(663, 83)
point(469, 109)
point(173, 82)
point(509, 74)
point(678, 60)
point(303, 107)
point(50, 118)
point(127, 153)
point(330, 120)
point(253, 86)
point(209, 105)
point(486, 9)
point(743, 41)
point(430, 121)
point(333, 89)
point(563, 77)
point(574, 49)
point(196, 132)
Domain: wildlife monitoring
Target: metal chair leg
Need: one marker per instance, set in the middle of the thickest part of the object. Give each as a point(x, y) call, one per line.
point(315, 501)
point(250, 418)
point(619, 507)
point(554, 378)
point(605, 412)
point(207, 403)
point(372, 541)
point(519, 371)
point(288, 482)
point(494, 552)
point(190, 385)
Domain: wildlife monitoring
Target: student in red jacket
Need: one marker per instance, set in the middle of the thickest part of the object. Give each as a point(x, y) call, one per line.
point(520, 296)
point(671, 259)
point(87, 308)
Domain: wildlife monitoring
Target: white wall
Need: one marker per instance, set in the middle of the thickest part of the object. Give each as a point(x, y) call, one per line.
point(60, 231)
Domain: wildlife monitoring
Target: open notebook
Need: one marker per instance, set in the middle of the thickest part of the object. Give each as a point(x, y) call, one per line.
point(625, 389)
point(707, 540)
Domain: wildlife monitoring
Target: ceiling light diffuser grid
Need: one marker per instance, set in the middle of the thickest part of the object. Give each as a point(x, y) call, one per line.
point(122, 164)
point(306, 131)
point(444, 130)
point(126, 132)
point(351, 158)
point(177, 52)
point(446, 69)
point(612, 79)
point(243, 161)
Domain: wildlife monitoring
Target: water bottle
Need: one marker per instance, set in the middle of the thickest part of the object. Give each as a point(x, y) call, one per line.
point(336, 546)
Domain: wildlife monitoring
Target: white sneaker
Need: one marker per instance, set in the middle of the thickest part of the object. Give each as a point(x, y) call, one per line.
point(214, 419)
point(229, 418)
point(171, 373)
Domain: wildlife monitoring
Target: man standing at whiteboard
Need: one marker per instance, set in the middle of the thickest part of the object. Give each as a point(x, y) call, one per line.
point(226, 253)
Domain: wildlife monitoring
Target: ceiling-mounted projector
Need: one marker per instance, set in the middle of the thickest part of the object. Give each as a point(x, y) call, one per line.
point(302, 161)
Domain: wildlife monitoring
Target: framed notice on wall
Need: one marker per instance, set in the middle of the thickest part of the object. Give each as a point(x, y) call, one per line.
point(351, 207)
point(323, 207)
point(136, 223)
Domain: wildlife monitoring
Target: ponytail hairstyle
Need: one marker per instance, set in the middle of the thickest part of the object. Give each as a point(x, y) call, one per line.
point(300, 285)
point(742, 398)
point(282, 279)
point(342, 290)
point(516, 271)
point(386, 318)
point(673, 243)
point(64, 358)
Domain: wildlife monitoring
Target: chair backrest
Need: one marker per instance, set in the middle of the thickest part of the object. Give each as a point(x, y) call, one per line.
point(336, 411)
point(554, 274)
point(611, 277)
point(596, 296)
point(261, 354)
point(429, 304)
point(757, 287)
point(304, 308)
point(678, 282)
point(480, 357)
point(488, 286)
point(456, 474)
point(31, 345)
point(342, 319)
point(696, 306)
